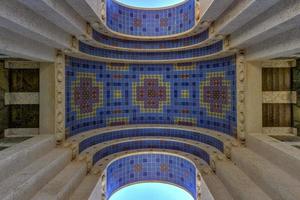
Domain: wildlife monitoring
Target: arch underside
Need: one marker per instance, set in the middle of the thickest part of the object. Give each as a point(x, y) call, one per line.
point(100, 148)
point(135, 21)
point(153, 167)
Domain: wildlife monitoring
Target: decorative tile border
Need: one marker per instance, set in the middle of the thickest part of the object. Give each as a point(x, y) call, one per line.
point(157, 45)
point(114, 54)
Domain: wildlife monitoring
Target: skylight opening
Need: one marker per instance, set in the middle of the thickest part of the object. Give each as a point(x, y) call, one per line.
point(150, 3)
point(150, 191)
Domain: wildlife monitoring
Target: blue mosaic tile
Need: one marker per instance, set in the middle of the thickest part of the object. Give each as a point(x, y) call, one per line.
point(199, 94)
point(151, 144)
point(149, 168)
point(157, 22)
point(95, 51)
point(192, 40)
point(151, 132)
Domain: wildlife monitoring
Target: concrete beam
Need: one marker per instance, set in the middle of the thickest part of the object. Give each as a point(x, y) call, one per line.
point(88, 9)
point(16, 45)
point(20, 19)
point(239, 13)
point(211, 9)
point(282, 45)
point(281, 17)
point(238, 183)
point(59, 13)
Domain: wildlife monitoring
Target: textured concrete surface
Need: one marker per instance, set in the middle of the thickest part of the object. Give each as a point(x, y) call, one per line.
point(25, 183)
point(63, 185)
point(238, 183)
point(278, 184)
point(16, 158)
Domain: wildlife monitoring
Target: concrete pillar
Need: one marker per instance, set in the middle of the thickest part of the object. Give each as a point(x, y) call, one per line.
point(254, 98)
point(47, 109)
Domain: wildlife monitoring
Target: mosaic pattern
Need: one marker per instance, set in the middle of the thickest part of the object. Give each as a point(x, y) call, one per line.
point(151, 93)
point(151, 144)
point(88, 95)
point(187, 104)
point(151, 132)
point(157, 22)
point(171, 55)
point(215, 94)
point(196, 39)
point(151, 167)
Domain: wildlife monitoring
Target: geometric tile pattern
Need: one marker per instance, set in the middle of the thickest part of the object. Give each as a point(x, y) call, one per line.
point(150, 22)
point(151, 93)
point(203, 95)
point(215, 94)
point(88, 95)
point(169, 55)
point(195, 39)
point(153, 132)
point(149, 168)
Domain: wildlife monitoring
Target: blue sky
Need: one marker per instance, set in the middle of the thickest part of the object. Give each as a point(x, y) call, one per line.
point(150, 3)
point(151, 191)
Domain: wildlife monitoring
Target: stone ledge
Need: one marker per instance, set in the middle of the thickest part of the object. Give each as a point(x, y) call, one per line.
point(289, 97)
point(21, 132)
point(21, 98)
point(279, 130)
point(22, 65)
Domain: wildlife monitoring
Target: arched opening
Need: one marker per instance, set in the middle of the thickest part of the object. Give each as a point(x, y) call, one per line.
point(151, 190)
point(150, 3)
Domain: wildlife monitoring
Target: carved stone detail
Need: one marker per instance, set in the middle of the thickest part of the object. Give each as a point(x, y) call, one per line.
point(226, 42)
point(74, 43)
point(213, 164)
point(212, 29)
point(198, 186)
point(103, 187)
point(241, 84)
point(103, 11)
point(60, 97)
point(280, 97)
point(197, 11)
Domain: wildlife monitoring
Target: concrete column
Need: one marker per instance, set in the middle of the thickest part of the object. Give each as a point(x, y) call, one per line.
point(47, 109)
point(254, 98)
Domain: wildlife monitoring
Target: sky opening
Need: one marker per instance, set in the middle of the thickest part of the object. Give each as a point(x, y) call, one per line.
point(151, 191)
point(150, 3)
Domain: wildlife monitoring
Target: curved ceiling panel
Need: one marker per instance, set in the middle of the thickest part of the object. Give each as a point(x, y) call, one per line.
point(149, 168)
point(162, 44)
point(153, 132)
point(150, 22)
point(151, 144)
point(199, 94)
point(105, 53)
